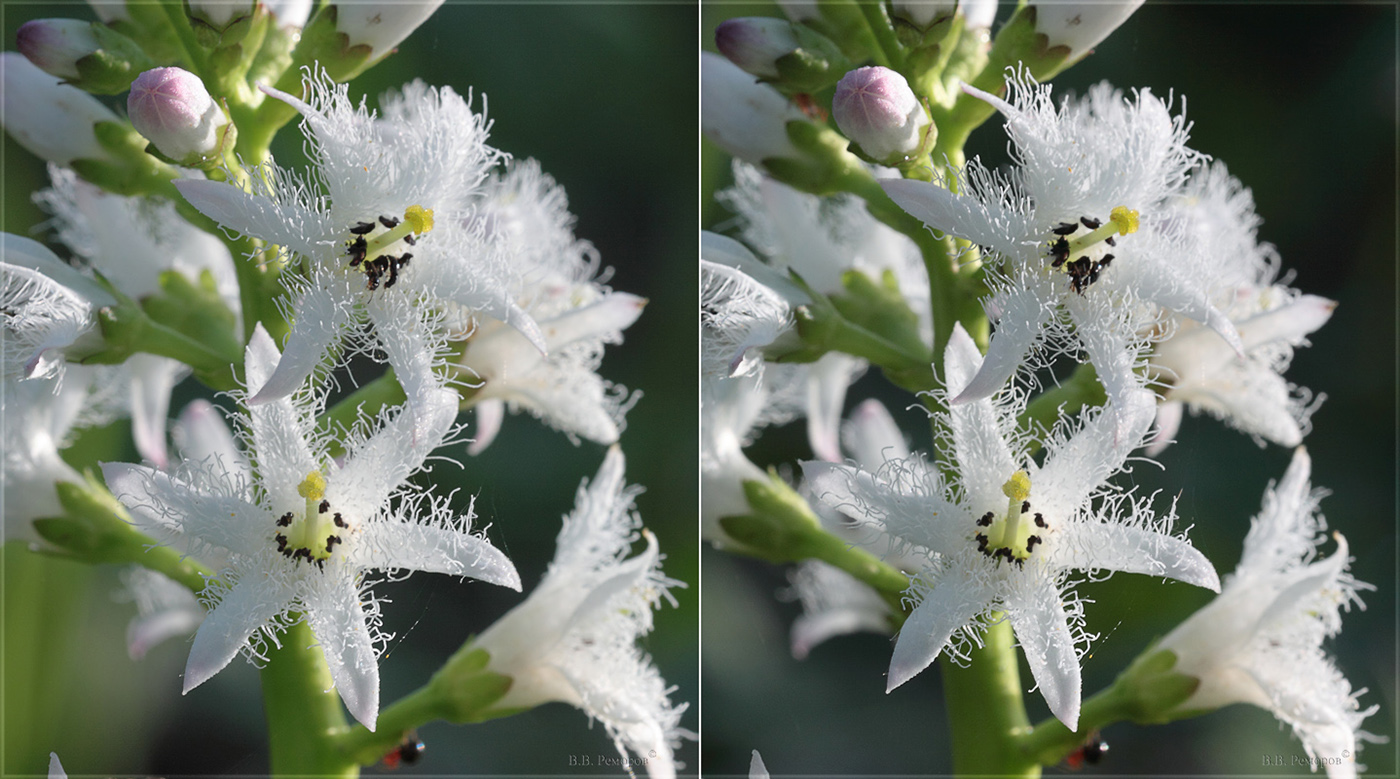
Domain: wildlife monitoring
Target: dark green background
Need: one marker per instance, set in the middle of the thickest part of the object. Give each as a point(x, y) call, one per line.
point(1300, 101)
point(605, 97)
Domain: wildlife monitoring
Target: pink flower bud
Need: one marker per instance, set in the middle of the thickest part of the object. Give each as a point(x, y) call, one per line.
point(56, 45)
point(174, 111)
point(755, 43)
point(876, 108)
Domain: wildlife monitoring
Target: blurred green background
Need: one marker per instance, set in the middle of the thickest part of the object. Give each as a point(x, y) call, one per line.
point(1300, 101)
point(605, 97)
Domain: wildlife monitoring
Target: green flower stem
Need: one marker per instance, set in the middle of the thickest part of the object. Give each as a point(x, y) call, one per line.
point(986, 712)
point(303, 709)
point(368, 399)
point(883, 31)
point(1050, 741)
point(886, 580)
point(184, 35)
point(463, 690)
point(1081, 390)
point(129, 325)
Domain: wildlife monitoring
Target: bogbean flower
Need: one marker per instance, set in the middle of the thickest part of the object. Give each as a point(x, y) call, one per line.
point(130, 241)
point(1260, 641)
point(40, 418)
point(382, 192)
point(50, 119)
point(1083, 249)
point(744, 117)
point(48, 308)
point(1195, 369)
point(304, 535)
point(574, 639)
point(1004, 534)
point(527, 212)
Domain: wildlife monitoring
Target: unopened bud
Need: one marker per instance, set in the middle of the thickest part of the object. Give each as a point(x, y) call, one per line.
point(219, 14)
point(55, 45)
point(923, 13)
point(290, 13)
point(755, 43)
point(1080, 27)
point(110, 10)
point(52, 120)
point(800, 10)
point(876, 108)
point(746, 118)
point(383, 25)
point(979, 13)
point(173, 110)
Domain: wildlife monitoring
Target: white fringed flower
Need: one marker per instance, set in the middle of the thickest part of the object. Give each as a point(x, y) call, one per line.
point(1197, 370)
point(574, 639)
point(305, 532)
point(377, 231)
point(1260, 641)
point(1083, 249)
point(1004, 534)
point(525, 211)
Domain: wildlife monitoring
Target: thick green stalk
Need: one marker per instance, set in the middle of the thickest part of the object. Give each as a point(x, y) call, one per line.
point(1050, 741)
point(303, 709)
point(986, 712)
point(880, 27)
point(194, 53)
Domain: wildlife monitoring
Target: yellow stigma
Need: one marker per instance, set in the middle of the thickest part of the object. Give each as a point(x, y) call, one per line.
point(422, 218)
point(1018, 487)
point(1125, 218)
point(313, 487)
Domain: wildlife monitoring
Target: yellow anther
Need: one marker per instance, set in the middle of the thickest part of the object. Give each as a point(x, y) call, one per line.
point(420, 218)
point(1125, 218)
point(1018, 487)
point(313, 487)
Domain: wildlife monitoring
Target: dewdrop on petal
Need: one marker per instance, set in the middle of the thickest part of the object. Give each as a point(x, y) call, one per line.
point(876, 108)
point(173, 110)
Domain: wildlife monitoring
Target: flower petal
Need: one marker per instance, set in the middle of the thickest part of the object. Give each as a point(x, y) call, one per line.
point(320, 317)
point(245, 608)
point(1077, 467)
point(1024, 314)
point(979, 442)
point(409, 546)
point(1091, 545)
point(336, 617)
point(152, 379)
point(1042, 628)
point(490, 413)
point(279, 429)
point(293, 225)
point(951, 604)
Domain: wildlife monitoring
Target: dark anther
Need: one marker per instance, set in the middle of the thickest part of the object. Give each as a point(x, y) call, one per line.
point(324, 507)
point(1040, 521)
point(1031, 542)
point(321, 564)
point(338, 521)
point(1025, 506)
point(986, 519)
point(1109, 240)
point(1060, 251)
point(390, 222)
point(1064, 228)
point(285, 520)
point(281, 543)
point(1092, 224)
point(410, 240)
point(331, 542)
point(981, 543)
point(362, 228)
point(1105, 260)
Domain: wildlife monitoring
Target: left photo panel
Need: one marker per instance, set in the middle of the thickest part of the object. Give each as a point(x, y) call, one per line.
point(349, 394)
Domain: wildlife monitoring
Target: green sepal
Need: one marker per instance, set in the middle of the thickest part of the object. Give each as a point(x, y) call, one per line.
point(212, 36)
point(825, 164)
point(815, 64)
point(94, 528)
point(881, 309)
point(842, 23)
point(130, 171)
point(322, 43)
point(1017, 41)
point(779, 523)
point(113, 66)
point(1154, 691)
point(196, 310)
point(465, 689)
point(150, 26)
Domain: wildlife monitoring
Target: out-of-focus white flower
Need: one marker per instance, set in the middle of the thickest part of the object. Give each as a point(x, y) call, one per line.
point(173, 110)
point(165, 609)
point(1080, 27)
point(1260, 641)
point(304, 534)
point(40, 417)
point(52, 120)
point(56, 768)
point(745, 118)
point(1004, 533)
point(527, 212)
point(381, 26)
point(1085, 250)
point(56, 45)
point(290, 13)
point(219, 13)
point(574, 639)
point(757, 770)
point(922, 13)
point(382, 192)
point(48, 307)
point(875, 107)
point(130, 241)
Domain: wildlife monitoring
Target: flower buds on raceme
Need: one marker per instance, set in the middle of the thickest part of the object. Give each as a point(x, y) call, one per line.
point(220, 22)
point(90, 56)
point(1079, 27)
point(52, 120)
point(923, 13)
point(795, 58)
point(173, 110)
point(875, 107)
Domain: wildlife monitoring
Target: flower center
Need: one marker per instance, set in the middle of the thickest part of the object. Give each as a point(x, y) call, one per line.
point(1068, 241)
point(369, 249)
point(312, 536)
point(1012, 536)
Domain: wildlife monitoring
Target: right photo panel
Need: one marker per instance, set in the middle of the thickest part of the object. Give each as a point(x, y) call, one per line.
point(1048, 397)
